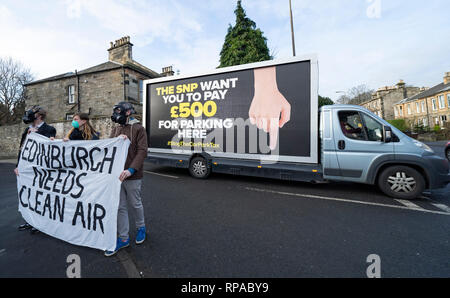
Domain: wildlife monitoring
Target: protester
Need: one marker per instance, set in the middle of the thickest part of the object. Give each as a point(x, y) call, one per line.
point(131, 177)
point(81, 128)
point(36, 118)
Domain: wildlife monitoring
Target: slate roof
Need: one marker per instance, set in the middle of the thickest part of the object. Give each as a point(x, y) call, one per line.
point(99, 68)
point(427, 93)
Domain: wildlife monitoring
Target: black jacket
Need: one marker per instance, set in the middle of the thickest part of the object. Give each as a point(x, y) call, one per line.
point(45, 130)
point(76, 134)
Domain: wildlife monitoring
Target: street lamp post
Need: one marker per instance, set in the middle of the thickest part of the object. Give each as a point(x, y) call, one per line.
point(292, 28)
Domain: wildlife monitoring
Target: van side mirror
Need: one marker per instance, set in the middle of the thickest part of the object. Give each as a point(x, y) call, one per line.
point(387, 134)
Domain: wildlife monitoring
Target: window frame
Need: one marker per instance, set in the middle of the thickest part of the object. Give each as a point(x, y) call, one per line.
point(441, 100)
point(71, 96)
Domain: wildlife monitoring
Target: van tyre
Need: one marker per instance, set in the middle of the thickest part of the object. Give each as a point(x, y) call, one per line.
point(198, 168)
point(401, 182)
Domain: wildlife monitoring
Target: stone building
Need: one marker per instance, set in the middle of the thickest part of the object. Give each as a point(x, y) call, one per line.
point(383, 100)
point(428, 108)
point(96, 89)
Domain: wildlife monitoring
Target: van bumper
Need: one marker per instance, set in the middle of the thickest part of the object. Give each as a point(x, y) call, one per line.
point(438, 171)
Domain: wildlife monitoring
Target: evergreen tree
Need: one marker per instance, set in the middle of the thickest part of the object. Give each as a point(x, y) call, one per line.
point(323, 101)
point(244, 43)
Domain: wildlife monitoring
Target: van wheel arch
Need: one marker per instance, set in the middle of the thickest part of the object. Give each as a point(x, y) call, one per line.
point(414, 166)
point(401, 181)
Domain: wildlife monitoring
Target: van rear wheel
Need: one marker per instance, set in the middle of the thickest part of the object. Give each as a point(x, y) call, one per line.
point(198, 168)
point(401, 182)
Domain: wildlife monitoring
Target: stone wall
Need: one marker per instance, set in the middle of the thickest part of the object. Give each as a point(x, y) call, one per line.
point(10, 135)
point(98, 92)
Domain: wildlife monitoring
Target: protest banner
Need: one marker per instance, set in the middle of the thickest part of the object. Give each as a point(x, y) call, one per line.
point(71, 190)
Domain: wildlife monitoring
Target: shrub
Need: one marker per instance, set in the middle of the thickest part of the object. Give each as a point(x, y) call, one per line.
point(399, 124)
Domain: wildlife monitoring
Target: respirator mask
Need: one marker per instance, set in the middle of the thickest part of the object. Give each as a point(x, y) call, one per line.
point(30, 116)
point(120, 112)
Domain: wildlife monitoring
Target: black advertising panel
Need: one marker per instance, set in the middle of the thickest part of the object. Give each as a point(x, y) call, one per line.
point(265, 111)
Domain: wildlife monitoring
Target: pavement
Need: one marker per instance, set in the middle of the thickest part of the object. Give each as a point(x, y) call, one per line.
point(232, 227)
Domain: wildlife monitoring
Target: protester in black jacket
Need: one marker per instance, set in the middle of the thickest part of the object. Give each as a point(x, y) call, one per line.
point(81, 129)
point(36, 118)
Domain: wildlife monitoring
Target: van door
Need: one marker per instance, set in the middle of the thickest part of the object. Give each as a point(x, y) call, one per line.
point(328, 155)
point(359, 141)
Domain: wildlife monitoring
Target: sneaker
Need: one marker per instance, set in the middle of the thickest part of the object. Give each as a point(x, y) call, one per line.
point(120, 244)
point(25, 226)
point(140, 237)
point(34, 231)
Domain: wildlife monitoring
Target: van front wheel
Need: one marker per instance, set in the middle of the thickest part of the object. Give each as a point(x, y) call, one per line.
point(401, 182)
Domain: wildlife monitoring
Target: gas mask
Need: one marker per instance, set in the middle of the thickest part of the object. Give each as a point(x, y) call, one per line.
point(30, 115)
point(120, 112)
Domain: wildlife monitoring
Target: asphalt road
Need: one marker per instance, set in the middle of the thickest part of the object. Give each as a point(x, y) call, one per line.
point(230, 226)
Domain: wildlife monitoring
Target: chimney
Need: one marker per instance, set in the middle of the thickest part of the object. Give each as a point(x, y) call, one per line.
point(121, 50)
point(447, 78)
point(401, 84)
point(167, 71)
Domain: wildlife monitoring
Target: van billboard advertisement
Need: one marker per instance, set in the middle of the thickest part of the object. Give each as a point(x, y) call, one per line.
point(265, 110)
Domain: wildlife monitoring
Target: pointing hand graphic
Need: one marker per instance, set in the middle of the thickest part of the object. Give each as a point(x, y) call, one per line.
point(269, 109)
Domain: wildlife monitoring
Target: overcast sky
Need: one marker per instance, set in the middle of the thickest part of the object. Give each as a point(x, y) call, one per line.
point(373, 42)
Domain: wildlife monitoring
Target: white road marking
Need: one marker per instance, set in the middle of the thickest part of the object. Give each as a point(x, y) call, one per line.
point(345, 200)
point(410, 205)
point(436, 204)
point(442, 207)
point(163, 175)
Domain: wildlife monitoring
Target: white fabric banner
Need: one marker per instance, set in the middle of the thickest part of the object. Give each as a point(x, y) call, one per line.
point(71, 190)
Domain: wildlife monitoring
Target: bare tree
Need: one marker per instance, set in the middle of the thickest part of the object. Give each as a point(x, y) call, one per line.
point(356, 95)
point(13, 76)
point(360, 94)
point(343, 99)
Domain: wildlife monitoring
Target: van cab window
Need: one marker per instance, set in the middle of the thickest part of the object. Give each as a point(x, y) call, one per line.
point(352, 125)
point(359, 126)
point(373, 128)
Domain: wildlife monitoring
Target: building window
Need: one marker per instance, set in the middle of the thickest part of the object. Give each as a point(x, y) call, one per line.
point(71, 94)
point(433, 104)
point(401, 110)
point(417, 107)
point(141, 91)
point(423, 106)
point(441, 102)
point(69, 116)
point(448, 100)
point(425, 122)
point(443, 118)
point(409, 109)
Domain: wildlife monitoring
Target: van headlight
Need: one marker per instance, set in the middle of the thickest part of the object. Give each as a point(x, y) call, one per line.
point(423, 146)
